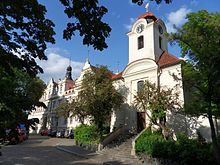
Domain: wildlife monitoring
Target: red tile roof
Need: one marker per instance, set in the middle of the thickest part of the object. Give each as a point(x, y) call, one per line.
point(148, 15)
point(117, 76)
point(167, 59)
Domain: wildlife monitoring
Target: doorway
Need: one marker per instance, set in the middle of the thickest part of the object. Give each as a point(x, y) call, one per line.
point(141, 121)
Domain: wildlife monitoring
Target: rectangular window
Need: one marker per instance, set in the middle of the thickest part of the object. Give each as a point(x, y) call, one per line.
point(160, 42)
point(140, 85)
point(140, 42)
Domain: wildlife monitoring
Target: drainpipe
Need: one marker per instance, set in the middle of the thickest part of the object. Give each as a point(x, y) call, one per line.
point(159, 72)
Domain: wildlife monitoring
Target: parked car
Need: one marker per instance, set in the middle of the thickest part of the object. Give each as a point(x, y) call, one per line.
point(71, 134)
point(60, 134)
point(17, 136)
point(52, 133)
point(23, 135)
point(44, 132)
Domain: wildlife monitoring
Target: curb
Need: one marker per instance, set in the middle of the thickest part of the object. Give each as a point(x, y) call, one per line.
point(76, 154)
point(70, 152)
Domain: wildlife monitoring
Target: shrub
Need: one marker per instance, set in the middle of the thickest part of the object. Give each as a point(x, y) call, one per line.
point(86, 134)
point(191, 151)
point(145, 142)
point(184, 150)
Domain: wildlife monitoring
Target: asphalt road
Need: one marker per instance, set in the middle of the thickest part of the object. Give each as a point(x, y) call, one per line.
point(39, 150)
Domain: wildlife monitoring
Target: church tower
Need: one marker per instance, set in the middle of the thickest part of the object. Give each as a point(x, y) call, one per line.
point(147, 38)
point(68, 73)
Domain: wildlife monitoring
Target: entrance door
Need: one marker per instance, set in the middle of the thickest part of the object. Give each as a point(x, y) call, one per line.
point(141, 123)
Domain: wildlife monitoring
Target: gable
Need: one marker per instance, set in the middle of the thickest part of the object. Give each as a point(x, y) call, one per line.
point(139, 66)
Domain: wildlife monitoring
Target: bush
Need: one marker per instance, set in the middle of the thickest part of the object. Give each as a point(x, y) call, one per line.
point(145, 142)
point(86, 134)
point(191, 151)
point(184, 150)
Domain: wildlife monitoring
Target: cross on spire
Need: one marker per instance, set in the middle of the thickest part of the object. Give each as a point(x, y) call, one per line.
point(147, 7)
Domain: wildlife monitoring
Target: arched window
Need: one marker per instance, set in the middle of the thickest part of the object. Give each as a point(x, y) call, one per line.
point(140, 42)
point(140, 85)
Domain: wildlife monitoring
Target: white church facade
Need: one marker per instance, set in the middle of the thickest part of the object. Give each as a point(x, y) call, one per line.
point(149, 59)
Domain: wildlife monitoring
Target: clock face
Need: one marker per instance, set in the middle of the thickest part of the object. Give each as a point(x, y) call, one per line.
point(160, 29)
point(140, 28)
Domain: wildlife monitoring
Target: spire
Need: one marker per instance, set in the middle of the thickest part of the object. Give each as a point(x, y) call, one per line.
point(147, 7)
point(117, 71)
point(69, 71)
point(87, 64)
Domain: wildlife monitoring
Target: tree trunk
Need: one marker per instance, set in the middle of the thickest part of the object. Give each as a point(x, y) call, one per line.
point(214, 139)
point(165, 131)
point(216, 125)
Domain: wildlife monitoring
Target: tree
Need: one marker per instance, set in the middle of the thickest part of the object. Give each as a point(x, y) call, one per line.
point(19, 96)
point(97, 97)
point(156, 102)
point(140, 2)
point(73, 108)
point(24, 33)
point(199, 40)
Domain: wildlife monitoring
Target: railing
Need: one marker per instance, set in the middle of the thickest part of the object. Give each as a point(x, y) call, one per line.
point(134, 141)
point(112, 136)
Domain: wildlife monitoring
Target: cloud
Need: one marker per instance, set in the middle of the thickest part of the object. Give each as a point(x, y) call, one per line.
point(194, 3)
point(55, 66)
point(128, 26)
point(177, 18)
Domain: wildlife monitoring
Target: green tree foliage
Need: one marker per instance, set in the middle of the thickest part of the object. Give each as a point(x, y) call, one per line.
point(140, 2)
point(183, 151)
point(100, 96)
point(156, 102)
point(97, 98)
point(86, 134)
point(24, 33)
point(87, 19)
point(199, 39)
point(19, 96)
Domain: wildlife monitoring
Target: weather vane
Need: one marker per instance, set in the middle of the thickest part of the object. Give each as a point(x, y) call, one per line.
point(147, 7)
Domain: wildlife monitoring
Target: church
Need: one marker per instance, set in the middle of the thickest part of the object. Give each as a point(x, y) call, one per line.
point(149, 59)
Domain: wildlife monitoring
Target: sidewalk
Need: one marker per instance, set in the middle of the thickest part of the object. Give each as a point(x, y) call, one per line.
point(71, 148)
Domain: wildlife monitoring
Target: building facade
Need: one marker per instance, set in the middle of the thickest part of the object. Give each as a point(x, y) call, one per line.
point(150, 60)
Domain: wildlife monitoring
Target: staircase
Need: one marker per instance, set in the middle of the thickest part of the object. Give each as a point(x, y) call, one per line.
point(118, 153)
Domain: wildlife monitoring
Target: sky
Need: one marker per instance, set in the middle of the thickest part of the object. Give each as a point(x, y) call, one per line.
point(121, 15)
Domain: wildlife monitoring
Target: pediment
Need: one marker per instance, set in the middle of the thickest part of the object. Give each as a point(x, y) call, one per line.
point(139, 66)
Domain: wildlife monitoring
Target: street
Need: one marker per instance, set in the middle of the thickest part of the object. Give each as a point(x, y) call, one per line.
point(40, 150)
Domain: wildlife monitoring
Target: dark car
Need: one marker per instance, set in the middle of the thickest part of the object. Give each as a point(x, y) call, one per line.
point(44, 132)
point(52, 133)
point(71, 134)
point(60, 134)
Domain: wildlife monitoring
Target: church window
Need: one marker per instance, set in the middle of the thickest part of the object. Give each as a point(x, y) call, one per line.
point(149, 20)
point(140, 42)
point(65, 121)
point(140, 85)
point(61, 88)
point(160, 42)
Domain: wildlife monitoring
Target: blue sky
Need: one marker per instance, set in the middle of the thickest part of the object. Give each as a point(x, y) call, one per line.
point(121, 14)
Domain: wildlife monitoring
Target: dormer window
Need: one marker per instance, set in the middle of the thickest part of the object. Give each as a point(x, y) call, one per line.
point(140, 42)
